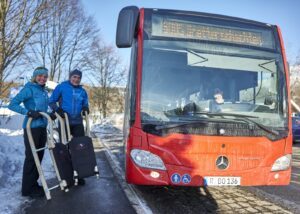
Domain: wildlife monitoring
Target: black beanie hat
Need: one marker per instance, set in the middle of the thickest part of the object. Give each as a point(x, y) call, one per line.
point(75, 72)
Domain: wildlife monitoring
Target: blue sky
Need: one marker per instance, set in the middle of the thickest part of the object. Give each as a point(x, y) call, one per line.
point(284, 13)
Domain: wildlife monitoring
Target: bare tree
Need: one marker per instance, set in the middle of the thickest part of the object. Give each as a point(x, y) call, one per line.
point(65, 38)
point(298, 58)
point(19, 21)
point(295, 80)
point(108, 74)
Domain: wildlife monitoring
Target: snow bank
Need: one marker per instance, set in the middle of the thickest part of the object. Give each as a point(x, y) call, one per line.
point(109, 125)
point(11, 164)
point(10, 120)
point(117, 119)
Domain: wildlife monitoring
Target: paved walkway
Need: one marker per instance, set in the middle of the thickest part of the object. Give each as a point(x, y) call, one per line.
point(97, 196)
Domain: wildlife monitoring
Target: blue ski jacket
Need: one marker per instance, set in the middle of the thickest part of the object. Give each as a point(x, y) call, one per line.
point(34, 97)
point(71, 99)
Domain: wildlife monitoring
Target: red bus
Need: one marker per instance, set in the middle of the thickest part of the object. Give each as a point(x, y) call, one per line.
point(207, 100)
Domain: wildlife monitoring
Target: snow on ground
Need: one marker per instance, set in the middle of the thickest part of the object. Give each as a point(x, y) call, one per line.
point(12, 156)
point(109, 130)
point(109, 125)
point(11, 163)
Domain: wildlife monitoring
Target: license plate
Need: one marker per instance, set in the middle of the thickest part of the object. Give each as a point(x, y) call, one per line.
point(222, 181)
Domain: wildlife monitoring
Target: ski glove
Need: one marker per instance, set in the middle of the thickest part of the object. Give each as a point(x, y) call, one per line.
point(52, 115)
point(86, 109)
point(33, 114)
point(61, 112)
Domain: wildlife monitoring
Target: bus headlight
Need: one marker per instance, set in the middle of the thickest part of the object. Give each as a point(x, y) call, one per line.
point(147, 159)
point(282, 163)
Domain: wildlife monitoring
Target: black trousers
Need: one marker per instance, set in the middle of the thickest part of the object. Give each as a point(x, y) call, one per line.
point(30, 172)
point(77, 130)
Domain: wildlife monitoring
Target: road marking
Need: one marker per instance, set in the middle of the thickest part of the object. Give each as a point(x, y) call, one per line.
point(136, 200)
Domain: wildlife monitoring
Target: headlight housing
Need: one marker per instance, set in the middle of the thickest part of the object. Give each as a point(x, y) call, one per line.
point(147, 159)
point(282, 163)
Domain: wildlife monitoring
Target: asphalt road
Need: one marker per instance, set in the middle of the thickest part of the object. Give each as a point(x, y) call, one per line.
point(168, 199)
point(289, 196)
point(102, 195)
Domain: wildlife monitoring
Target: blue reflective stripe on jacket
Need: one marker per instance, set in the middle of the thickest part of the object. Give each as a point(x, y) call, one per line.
point(71, 99)
point(34, 97)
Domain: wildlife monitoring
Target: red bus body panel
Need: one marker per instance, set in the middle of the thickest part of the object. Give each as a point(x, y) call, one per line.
point(250, 158)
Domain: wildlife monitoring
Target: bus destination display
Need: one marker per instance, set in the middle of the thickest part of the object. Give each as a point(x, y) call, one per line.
point(180, 29)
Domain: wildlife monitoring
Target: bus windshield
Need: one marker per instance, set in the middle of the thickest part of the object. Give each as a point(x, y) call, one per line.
point(197, 67)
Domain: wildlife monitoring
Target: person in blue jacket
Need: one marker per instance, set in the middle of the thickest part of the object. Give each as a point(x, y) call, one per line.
point(73, 100)
point(35, 100)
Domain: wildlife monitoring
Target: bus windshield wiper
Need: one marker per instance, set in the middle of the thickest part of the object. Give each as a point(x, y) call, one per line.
point(188, 121)
point(224, 114)
point(174, 125)
point(245, 118)
point(237, 117)
point(263, 127)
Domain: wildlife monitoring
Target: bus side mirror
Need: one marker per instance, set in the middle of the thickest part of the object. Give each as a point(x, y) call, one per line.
point(127, 21)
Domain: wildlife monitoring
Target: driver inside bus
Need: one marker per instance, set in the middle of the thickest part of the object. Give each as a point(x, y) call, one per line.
point(215, 104)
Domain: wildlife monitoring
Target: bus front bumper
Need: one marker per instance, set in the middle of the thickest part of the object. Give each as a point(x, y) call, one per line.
point(184, 176)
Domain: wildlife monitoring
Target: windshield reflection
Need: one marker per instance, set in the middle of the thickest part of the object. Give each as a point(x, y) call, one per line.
point(179, 82)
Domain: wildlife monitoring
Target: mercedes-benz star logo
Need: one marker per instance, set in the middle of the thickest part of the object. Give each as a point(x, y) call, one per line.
point(222, 162)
